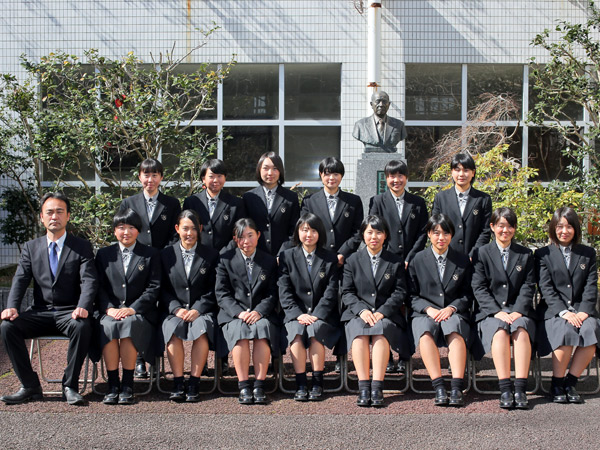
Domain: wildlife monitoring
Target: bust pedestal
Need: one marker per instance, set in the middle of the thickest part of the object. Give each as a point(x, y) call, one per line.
point(370, 178)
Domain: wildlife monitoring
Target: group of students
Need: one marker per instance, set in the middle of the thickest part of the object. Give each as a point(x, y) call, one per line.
point(226, 272)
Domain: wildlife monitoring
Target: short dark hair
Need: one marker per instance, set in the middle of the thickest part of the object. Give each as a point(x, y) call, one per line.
point(331, 165)
point(241, 225)
point(465, 160)
point(215, 165)
point(127, 217)
point(394, 166)
point(377, 223)
point(58, 196)
point(151, 165)
point(572, 219)
point(315, 223)
point(192, 215)
point(441, 220)
point(504, 212)
point(277, 162)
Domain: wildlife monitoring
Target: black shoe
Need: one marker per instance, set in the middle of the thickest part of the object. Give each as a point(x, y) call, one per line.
point(178, 394)
point(126, 396)
point(315, 394)
point(192, 395)
point(441, 397)
point(521, 400)
point(507, 400)
point(140, 370)
point(301, 394)
point(401, 366)
point(456, 398)
point(245, 397)
point(259, 395)
point(23, 395)
point(72, 396)
point(112, 398)
point(364, 398)
point(572, 395)
point(204, 371)
point(224, 366)
point(391, 366)
point(558, 395)
point(376, 398)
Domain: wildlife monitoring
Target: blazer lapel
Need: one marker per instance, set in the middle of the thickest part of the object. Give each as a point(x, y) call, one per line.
point(218, 209)
point(340, 207)
point(316, 269)
point(63, 256)
point(406, 211)
point(276, 202)
point(471, 200)
point(431, 261)
point(158, 208)
point(370, 126)
point(381, 269)
point(140, 205)
point(448, 271)
point(366, 267)
point(133, 264)
point(116, 256)
point(514, 260)
point(323, 209)
point(300, 262)
point(389, 204)
point(179, 265)
point(573, 262)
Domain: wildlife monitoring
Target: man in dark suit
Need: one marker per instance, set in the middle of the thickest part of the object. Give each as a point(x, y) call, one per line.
point(64, 288)
point(379, 132)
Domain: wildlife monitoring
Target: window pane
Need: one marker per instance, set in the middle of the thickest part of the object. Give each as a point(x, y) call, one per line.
point(251, 92)
point(312, 91)
point(305, 148)
point(433, 91)
point(571, 109)
point(496, 79)
point(242, 150)
point(545, 154)
point(190, 69)
point(172, 150)
point(419, 148)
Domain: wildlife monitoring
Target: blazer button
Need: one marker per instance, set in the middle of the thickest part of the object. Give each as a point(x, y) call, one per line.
point(504, 303)
point(248, 310)
point(210, 232)
point(309, 293)
point(373, 309)
point(568, 285)
point(400, 231)
point(460, 241)
point(148, 231)
point(504, 286)
point(570, 302)
point(187, 288)
point(400, 246)
point(460, 226)
point(331, 245)
point(268, 225)
point(122, 285)
point(187, 306)
point(309, 309)
point(372, 295)
point(248, 294)
point(268, 240)
point(441, 294)
point(331, 231)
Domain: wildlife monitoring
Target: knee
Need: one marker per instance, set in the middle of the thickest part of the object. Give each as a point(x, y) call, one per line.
point(81, 328)
point(7, 329)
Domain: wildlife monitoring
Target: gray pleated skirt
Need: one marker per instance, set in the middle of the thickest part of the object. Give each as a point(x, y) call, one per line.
point(189, 331)
point(488, 327)
point(135, 327)
point(323, 332)
point(237, 329)
point(559, 332)
point(394, 333)
point(439, 330)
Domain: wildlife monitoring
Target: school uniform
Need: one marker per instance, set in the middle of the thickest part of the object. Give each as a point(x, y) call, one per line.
point(217, 231)
point(137, 288)
point(236, 293)
point(471, 227)
point(498, 289)
point(159, 230)
point(428, 290)
point(573, 288)
point(189, 291)
point(276, 225)
point(313, 292)
point(384, 292)
point(407, 233)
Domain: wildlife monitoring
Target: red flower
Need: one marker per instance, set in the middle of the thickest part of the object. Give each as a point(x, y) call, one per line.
point(118, 102)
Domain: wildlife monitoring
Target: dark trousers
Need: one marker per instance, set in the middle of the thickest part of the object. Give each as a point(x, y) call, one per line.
point(31, 324)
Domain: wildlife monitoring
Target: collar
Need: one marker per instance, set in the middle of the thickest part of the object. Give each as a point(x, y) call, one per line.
point(376, 255)
point(436, 255)
point(131, 247)
point(376, 119)
point(401, 198)
point(60, 242)
point(501, 248)
point(208, 197)
point(146, 197)
point(251, 257)
point(465, 194)
point(336, 195)
point(265, 189)
point(191, 250)
point(306, 253)
point(563, 248)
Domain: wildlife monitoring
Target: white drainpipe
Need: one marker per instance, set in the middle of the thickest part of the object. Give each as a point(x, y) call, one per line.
point(373, 49)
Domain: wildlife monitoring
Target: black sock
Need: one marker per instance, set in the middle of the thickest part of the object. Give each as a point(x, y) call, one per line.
point(259, 384)
point(246, 384)
point(317, 378)
point(193, 381)
point(437, 383)
point(377, 385)
point(364, 385)
point(301, 380)
point(178, 381)
point(505, 385)
point(113, 378)
point(456, 383)
point(127, 378)
point(570, 380)
point(558, 382)
point(520, 385)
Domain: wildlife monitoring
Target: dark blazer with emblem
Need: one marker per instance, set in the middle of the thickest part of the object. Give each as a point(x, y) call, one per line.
point(562, 287)
point(342, 232)
point(196, 292)
point(511, 289)
point(427, 290)
point(236, 294)
point(315, 293)
point(366, 132)
point(276, 227)
point(75, 284)
point(472, 229)
point(385, 292)
point(407, 235)
point(138, 289)
point(217, 231)
point(160, 231)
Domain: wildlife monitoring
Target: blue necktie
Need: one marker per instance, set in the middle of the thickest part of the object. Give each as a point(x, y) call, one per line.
point(53, 259)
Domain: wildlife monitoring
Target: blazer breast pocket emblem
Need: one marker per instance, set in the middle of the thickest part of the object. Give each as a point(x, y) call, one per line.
point(163, 216)
point(346, 214)
point(582, 266)
point(475, 212)
point(263, 277)
point(455, 277)
point(225, 217)
point(283, 210)
point(412, 216)
point(141, 267)
point(203, 270)
point(519, 268)
point(387, 276)
point(322, 274)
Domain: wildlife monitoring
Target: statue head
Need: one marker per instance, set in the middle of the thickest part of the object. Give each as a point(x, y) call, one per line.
point(380, 102)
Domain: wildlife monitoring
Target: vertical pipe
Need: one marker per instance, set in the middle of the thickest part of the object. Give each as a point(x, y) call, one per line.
point(373, 48)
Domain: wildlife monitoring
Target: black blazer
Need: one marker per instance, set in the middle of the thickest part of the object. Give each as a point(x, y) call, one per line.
point(342, 233)
point(407, 236)
point(216, 231)
point(159, 232)
point(235, 294)
point(426, 289)
point(138, 288)
point(496, 289)
point(385, 292)
point(317, 293)
point(561, 288)
point(472, 229)
point(198, 291)
point(75, 284)
point(276, 227)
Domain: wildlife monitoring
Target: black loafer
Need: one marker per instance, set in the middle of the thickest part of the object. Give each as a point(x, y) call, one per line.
point(245, 397)
point(376, 398)
point(315, 394)
point(192, 395)
point(126, 396)
point(23, 395)
point(441, 397)
point(456, 398)
point(401, 366)
point(572, 395)
point(301, 394)
point(364, 398)
point(140, 370)
point(558, 395)
point(178, 394)
point(112, 398)
point(72, 396)
point(259, 395)
point(391, 367)
point(507, 400)
point(521, 401)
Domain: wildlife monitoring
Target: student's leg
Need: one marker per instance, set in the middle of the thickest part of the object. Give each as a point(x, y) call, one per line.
point(110, 352)
point(241, 359)
point(560, 360)
point(501, 354)
point(261, 354)
point(581, 359)
point(128, 354)
point(522, 351)
point(298, 352)
point(317, 355)
point(457, 354)
point(175, 354)
point(361, 357)
point(199, 355)
point(381, 353)
point(430, 355)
